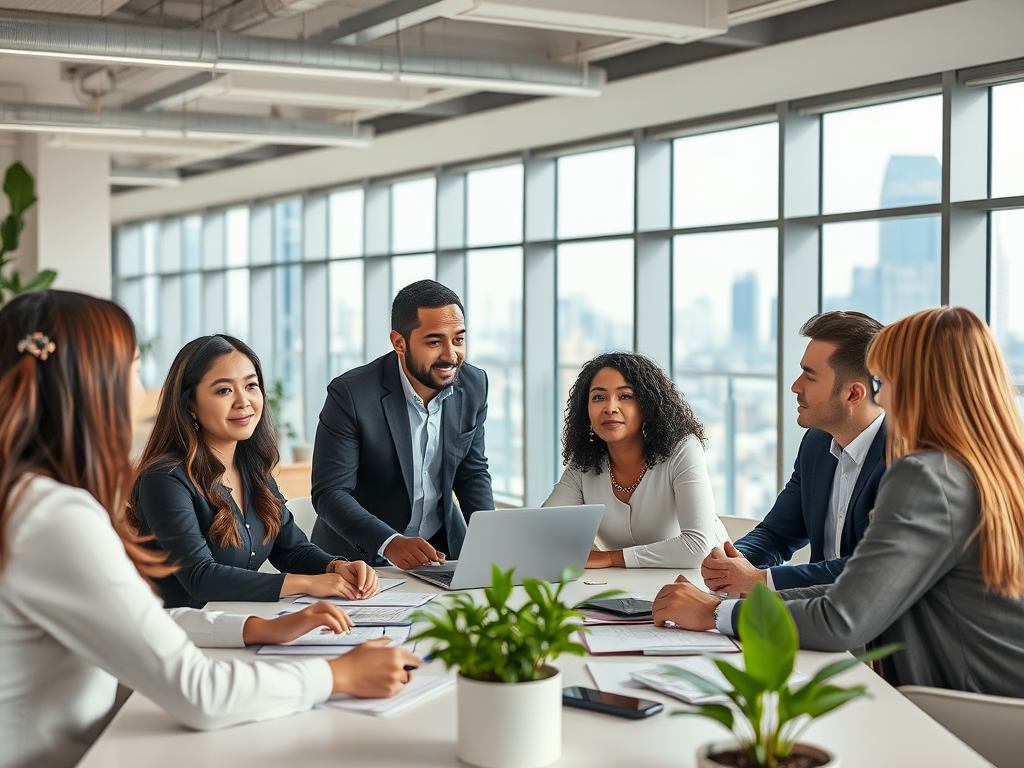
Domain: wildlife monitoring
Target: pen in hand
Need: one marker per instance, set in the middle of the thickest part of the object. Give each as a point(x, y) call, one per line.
point(425, 660)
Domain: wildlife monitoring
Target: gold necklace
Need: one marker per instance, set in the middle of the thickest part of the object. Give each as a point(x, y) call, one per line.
point(628, 488)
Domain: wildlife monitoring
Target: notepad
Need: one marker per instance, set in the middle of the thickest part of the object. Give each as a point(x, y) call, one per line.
point(317, 642)
point(421, 688)
point(660, 679)
point(651, 640)
point(388, 599)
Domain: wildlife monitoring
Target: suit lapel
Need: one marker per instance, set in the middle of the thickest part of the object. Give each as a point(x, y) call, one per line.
point(451, 418)
point(871, 460)
point(397, 414)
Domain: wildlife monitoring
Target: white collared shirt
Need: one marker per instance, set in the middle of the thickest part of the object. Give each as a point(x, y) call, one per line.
point(427, 462)
point(850, 461)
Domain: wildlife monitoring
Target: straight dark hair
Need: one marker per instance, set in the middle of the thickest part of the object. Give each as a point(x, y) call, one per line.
point(177, 440)
point(68, 416)
point(852, 334)
point(425, 294)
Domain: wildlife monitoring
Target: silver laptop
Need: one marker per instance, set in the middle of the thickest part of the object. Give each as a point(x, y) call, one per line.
point(538, 543)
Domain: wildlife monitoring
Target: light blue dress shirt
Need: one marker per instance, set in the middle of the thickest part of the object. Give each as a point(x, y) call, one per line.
point(427, 457)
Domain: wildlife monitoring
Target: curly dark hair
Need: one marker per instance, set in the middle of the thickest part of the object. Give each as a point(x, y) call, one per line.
point(668, 418)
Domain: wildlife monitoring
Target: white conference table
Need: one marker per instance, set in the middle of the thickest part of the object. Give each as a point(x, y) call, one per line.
point(886, 730)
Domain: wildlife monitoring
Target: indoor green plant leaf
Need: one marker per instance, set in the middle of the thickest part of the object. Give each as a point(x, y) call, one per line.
point(495, 642)
point(765, 716)
point(20, 188)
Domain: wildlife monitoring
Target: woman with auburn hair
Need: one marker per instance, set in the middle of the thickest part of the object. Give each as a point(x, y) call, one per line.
point(632, 443)
point(76, 613)
point(206, 493)
point(941, 566)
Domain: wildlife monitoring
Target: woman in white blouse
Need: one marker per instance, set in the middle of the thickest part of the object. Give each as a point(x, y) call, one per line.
point(632, 443)
point(76, 613)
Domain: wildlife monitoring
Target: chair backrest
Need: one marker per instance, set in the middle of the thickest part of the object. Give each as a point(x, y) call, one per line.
point(738, 527)
point(304, 514)
point(990, 725)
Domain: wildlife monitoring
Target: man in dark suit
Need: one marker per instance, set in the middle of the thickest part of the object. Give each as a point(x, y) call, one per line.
point(397, 436)
point(828, 500)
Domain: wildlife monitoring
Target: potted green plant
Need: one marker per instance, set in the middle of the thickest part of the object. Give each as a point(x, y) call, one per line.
point(509, 695)
point(275, 404)
point(765, 715)
point(20, 189)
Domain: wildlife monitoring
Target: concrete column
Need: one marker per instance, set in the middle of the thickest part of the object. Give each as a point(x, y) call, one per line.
point(72, 217)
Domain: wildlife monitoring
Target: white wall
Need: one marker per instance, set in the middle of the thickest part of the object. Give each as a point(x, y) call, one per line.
point(74, 218)
point(951, 37)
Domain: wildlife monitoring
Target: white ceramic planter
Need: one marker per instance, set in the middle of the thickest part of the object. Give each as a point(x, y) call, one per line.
point(510, 725)
point(703, 761)
point(302, 453)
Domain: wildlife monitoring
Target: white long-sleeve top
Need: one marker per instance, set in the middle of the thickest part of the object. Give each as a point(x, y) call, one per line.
point(76, 617)
point(670, 521)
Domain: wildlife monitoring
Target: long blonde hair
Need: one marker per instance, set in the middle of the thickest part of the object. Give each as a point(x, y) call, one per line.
point(952, 393)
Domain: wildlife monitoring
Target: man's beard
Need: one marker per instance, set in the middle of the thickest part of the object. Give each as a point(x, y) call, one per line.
point(425, 374)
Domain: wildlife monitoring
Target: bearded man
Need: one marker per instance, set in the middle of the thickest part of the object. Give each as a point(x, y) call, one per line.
point(398, 436)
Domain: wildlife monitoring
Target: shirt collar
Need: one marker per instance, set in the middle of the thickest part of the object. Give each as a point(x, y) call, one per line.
point(411, 394)
point(858, 447)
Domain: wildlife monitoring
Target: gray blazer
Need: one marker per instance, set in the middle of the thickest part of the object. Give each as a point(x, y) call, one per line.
point(915, 578)
point(362, 462)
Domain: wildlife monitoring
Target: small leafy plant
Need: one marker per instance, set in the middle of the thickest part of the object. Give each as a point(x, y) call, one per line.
point(764, 714)
point(275, 402)
point(496, 643)
point(20, 189)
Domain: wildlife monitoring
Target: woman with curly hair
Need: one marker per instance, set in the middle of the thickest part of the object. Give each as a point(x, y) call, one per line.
point(626, 416)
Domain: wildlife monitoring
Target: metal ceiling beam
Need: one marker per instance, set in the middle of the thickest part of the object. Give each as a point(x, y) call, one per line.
point(387, 19)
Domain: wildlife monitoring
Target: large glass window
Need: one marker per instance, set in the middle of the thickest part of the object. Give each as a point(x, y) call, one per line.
point(413, 204)
point(494, 206)
point(726, 177)
point(494, 322)
point(725, 301)
point(1008, 140)
point(595, 193)
point(1006, 313)
point(346, 315)
point(884, 156)
point(887, 269)
point(345, 210)
point(595, 306)
point(410, 269)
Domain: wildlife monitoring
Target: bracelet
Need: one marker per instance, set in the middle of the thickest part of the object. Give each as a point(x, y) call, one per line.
point(332, 567)
point(714, 616)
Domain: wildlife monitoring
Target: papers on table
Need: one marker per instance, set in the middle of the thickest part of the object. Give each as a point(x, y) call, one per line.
point(659, 678)
point(379, 616)
point(421, 688)
point(318, 642)
point(651, 640)
point(384, 599)
point(616, 677)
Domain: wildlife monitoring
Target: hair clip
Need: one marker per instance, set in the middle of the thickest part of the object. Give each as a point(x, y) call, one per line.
point(38, 345)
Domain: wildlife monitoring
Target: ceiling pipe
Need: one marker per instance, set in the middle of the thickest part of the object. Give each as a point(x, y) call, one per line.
point(38, 118)
point(103, 42)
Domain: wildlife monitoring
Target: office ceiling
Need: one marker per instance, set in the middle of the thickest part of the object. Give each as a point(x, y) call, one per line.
point(174, 88)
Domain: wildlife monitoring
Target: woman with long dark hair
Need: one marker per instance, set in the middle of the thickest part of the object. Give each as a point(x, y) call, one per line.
point(632, 443)
point(76, 613)
point(206, 493)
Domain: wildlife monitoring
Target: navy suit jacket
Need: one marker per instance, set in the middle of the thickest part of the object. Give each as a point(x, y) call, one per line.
point(799, 514)
point(362, 460)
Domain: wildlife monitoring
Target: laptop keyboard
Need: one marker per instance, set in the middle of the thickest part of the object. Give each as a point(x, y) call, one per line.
point(444, 577)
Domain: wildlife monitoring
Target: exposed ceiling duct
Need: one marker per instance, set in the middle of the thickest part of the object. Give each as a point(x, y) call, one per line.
point(181, 125)
point(226, 52)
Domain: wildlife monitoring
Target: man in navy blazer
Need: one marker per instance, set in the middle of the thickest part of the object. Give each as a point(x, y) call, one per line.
point(398, 436)
point(828, 500)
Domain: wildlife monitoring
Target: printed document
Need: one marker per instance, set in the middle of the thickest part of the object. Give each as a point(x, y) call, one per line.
point(421, 688)
point(649, 639)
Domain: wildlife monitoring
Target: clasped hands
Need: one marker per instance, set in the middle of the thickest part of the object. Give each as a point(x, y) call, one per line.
point(727, 572)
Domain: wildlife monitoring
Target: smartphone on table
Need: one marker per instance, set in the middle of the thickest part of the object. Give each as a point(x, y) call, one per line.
point(609, 703)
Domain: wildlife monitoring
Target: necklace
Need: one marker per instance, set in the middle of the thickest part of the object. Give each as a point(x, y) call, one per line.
point(628, 488)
